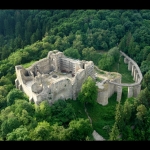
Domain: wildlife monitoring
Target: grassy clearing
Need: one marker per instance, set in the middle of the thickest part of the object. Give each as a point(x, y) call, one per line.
point(79, 108)
point(123, 70)
point(114, 68)
point(103, 116)
point(126, 75)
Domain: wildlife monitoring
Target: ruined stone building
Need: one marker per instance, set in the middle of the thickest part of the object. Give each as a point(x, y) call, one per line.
point(59, 77)
point(54, 77)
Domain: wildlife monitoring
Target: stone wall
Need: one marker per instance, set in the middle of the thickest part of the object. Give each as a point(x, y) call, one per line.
point(134, 88)
point(103, 97)
point(44, 80)
point(106, 90)
point(61, 89)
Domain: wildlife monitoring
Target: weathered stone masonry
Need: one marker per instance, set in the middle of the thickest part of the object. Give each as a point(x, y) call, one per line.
point(59, 77)
point(54, 77)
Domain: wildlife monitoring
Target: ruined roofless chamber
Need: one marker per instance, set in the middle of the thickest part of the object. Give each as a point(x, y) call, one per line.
point(54, 77)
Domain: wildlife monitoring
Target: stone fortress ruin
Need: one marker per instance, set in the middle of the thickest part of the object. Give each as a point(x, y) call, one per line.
point(59, 77)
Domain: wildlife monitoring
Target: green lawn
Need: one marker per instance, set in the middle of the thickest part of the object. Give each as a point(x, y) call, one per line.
point(103, 116)
point(123, 70)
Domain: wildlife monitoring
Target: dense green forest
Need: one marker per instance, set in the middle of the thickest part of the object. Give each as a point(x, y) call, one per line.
point(97, 35)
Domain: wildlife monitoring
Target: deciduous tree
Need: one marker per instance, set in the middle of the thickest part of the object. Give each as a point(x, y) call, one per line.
point(79, 129)
point(89, 91)
point(19, 134)
point(73, 53)
point(41, 132)
point(15, 94)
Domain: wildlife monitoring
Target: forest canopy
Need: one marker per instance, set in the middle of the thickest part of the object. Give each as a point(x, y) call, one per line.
point(28, 35)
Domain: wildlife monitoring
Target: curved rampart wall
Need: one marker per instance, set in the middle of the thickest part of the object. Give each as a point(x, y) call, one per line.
point(133, 88)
